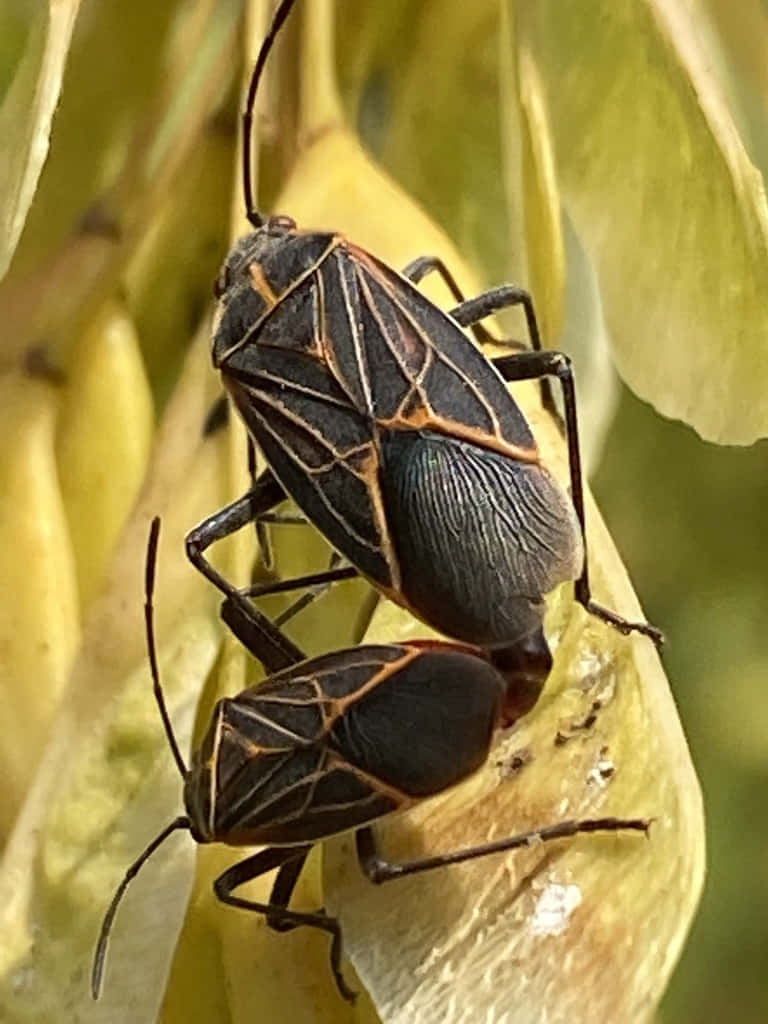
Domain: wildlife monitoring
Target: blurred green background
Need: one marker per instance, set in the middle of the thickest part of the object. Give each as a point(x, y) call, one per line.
point(689, 519)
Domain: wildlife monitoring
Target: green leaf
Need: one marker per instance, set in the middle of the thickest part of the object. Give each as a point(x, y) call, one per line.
point(666, 202)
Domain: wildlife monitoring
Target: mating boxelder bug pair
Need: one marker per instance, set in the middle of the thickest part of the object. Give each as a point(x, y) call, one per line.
point(398, 439)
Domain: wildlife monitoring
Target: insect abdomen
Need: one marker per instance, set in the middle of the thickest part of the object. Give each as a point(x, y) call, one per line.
point(426, 726)
point(480, 537)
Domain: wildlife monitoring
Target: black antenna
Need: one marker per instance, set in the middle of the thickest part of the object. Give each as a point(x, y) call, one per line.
point(149, 618)
point(97, 973)
point(253, 215)
point(182, 822)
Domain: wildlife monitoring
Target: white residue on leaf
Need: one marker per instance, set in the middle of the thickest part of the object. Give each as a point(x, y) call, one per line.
point(553, 908)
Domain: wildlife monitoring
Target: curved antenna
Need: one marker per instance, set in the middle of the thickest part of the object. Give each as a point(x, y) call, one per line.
point(253, 215)
point(97, 972)
point(149, 619)
point(182, 822)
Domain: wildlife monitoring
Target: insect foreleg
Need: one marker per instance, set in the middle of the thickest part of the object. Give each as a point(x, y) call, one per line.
point(283, 887)
point(277, 916)
point(263, 496)
point(418, 269)
point(315, 579)
point(505, 296)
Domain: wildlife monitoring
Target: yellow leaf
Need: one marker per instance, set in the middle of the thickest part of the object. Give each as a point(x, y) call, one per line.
point(39, 620)
point(103, 441)
point(105, 781)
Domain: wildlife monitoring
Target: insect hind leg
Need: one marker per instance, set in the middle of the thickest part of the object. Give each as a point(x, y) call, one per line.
point(418, 269)
point(531, 366)
point(380, 870)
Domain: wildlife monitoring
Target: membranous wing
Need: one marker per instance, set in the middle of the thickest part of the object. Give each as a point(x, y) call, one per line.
point(480, 529)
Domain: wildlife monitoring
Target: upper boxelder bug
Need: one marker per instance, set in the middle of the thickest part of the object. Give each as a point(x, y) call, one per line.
point(329, 745)
point(395, 435)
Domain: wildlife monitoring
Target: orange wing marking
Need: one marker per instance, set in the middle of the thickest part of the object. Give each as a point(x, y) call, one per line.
point(256, 327)
point(261, 285)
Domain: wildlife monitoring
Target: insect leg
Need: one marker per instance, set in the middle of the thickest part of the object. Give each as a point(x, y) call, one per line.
point(217, 417)
point(282, 890)
point(467, 313)
point(315, 579)
point(276, 915)
point(278, 519)
point(470, 311)
point(251, 627)
point(378, 869)
point(264, 495)
point(310, 596)
point(418, 269)
point(531, 365)
point(252, 462)
point(260, 635)
point(262, 533)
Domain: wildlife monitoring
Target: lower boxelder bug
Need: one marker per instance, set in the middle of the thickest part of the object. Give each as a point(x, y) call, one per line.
point(329, 745)
point(395, 435)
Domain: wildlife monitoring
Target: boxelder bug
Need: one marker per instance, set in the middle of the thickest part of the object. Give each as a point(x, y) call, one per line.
point(326, 746)
point(395, 435)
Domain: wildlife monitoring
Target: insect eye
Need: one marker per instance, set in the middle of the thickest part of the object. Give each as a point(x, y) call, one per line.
point(281, 222)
